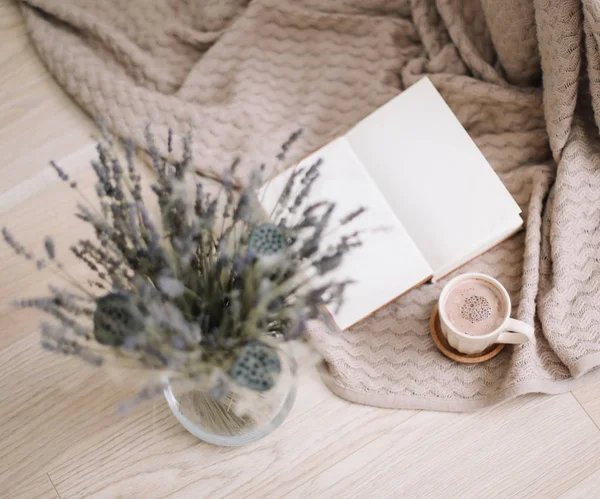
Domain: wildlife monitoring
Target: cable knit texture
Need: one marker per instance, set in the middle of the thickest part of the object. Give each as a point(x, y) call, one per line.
point(245, 74)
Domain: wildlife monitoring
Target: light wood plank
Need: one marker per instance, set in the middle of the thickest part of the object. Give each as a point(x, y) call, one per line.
point(49, 403)
point(151, 455)
point(315, 435)
point(532, 447)
point(38, 488)
point(589, 397)
point(38, 120)
point(42, 205)
point(586, 489)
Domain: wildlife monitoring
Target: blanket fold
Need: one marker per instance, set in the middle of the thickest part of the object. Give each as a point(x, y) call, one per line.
point(523, 77)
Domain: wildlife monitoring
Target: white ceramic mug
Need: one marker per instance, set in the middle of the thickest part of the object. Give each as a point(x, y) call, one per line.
point(510, 331)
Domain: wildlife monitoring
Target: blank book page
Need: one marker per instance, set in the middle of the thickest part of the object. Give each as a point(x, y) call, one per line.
point(432, 175)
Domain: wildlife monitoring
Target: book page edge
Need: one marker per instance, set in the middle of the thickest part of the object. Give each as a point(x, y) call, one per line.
point(498, 243)
point(330, 316)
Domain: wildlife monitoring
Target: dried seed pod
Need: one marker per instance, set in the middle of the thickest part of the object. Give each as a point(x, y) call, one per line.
point(115, 318)
point(267, 239)
point(256, 366)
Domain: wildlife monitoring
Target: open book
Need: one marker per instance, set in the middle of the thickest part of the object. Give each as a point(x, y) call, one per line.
point(415, 169)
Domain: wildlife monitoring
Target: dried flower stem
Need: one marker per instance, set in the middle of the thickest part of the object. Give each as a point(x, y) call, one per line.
point(188, 294)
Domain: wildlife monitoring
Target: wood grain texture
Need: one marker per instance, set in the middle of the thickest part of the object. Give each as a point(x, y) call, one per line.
point(153, 457)
point(59, 418)
point(532, 447)
point(589, 397)
point(38, 488)
point(39, 121)
point(39, 206)
point(586, 489)
point(47, 405)
point(321, 430)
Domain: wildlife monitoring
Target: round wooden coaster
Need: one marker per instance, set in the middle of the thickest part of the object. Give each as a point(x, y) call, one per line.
point(442, 343)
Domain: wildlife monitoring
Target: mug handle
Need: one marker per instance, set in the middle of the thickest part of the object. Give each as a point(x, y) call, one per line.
point(517, 332)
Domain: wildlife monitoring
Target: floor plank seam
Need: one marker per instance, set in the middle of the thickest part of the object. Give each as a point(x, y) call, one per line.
point(566, 492)
point(585, 410)
point(345, 457)
point(53, 486)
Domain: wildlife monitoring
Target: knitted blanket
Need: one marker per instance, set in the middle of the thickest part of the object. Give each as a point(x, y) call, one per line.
point(523, 77)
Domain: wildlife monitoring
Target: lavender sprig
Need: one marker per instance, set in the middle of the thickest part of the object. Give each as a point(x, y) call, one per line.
point(183, 293)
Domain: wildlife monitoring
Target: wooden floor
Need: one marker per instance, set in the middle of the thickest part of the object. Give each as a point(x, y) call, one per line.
point(61, 436)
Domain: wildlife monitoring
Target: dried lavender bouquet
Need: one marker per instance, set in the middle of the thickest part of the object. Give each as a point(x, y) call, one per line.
point(207, 292)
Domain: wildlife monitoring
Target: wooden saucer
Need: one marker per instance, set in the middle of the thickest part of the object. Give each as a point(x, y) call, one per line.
point(442, 343)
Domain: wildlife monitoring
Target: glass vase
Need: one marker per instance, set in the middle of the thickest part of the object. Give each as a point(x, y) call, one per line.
point(239, 417)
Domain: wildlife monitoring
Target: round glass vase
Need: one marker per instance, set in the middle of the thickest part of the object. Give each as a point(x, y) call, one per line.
point(241, 416)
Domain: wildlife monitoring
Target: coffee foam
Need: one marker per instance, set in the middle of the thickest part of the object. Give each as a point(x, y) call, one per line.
point(475, 307)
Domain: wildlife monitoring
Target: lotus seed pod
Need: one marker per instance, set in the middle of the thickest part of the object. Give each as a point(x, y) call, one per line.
point(256, 366)
point(266, 239)
point(116, 318)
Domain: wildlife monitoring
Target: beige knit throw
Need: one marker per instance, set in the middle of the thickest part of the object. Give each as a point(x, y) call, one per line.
point(247, 73)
